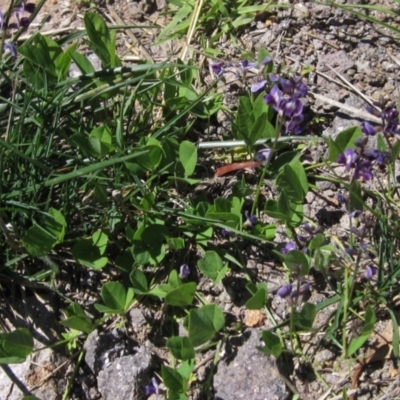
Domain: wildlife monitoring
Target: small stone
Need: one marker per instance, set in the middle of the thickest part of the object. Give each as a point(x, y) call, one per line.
point(247, 373)
point(137, 318)
point(126, 377)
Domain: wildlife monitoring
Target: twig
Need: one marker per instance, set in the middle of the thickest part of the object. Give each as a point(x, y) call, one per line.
point(357, 112)
point(192, 27)
point(366, 98)
point(328, 42)
point(130, 34)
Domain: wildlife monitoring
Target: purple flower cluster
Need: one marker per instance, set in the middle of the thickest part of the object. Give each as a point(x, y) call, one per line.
point(362, 159)
point(288, 290)
point(283, 95)
point(387, 111)
point(360, 250)
point(22, 21)
point(302, 239)
point(285, 98)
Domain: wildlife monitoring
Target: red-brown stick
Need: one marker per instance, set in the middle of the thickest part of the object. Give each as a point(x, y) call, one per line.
point(235, 166)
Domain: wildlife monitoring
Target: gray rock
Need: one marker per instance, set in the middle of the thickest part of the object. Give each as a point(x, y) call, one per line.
point(101, 350)
point(339, 61)
point(126, 377)
point(246, 373)
point(343, 120)
point(137, 318)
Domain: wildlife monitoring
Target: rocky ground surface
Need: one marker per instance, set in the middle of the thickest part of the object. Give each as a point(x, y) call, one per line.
point(352, 62)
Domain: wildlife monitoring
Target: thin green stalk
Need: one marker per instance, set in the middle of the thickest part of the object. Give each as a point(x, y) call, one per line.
point(73, 376)
point(345, 308)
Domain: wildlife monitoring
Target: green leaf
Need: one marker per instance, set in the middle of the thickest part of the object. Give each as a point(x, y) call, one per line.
point(55, 224)
point(356, 201)
point(151, 160)
point(244, 119)
point(63, 63)
point(181, 347)
point(272, 209)
point(139, 281)
point(38, 242)
point(77, 319)
point(301, 175)
point(181, 296)
point(176, 243)
point(125, 261)
point(273, 345)
point(188, 157)
point(172, 379)
point(369, 324)
point(305, 318)
point(259, 298)
point(204, 322)
point(99, 36)
point(100, 240)
point(81, 61)
point(15, 346)
point(211, 264)
point(100, 141)
point(316, 242)
point(289, 182)
point(88, 254)
point(297, 262)
point(115, 297)
point(344, 140)
point(78, 323)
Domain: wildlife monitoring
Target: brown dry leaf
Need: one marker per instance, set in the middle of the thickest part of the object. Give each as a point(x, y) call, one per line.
point(254, 318)
point(393, 371)
point(381, 345)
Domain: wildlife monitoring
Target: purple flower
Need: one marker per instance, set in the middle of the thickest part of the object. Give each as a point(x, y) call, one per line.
point(363, 171)
point(284, 291)
point(303, 289)
point(256, 87)
point(24, 22)
point(264, 155)
point(9, 47)
point(341, 198)
point(294, 86)
point(371, 271)
point(274, 97)
point(153, 388)
point(246, 65)
point(267, 60)
point(348, 158)
point(184, 271)
point(374, 111)
point(355, 214)
point(294, 125)
point(273, 77)
point(30, 7)
point(368, 129)
point(251, 219)
point(289, 246)
point(389, 114)
point(227, 233)
point(381, 157)
point(350, 251)
point(217, 67)
point(292, 107)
